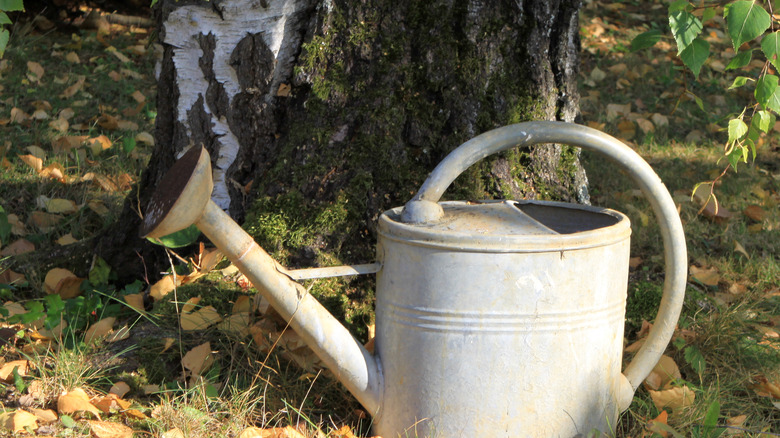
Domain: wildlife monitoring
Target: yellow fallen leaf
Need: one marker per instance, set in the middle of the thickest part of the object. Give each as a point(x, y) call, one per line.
point(19, 116)
point(200, 319)
point(65, 143)
point(135, 301)
point(274, 432)
point(111, 402)
point(190, 305)
point(664, 373)
point(18, 420)
point(198, 359)
point(145, 138)
point(59, 205)
point(7, 369)
point(127, 125)
point(66, 240)
point(60, 125)
point(36, 69)
point(138, 96)
point(135, 414)
point(173, 433)
point(706, 276)
point(243, 304)
point(237, 324)
point(54, 333)
point(168, 344)
point(98, 207)
point(163, 287)
point(54, 171)
point(63, 282)
point(99, 330)
point(120, 389)
point(652, 425)
point(34, 162)
point(673, 398)
point(44, 415)
point(106, 429)
point(73, 89)
point(72, 57)
point(99, 144)
point(76, 401)
point(119, 335)
point(150, 389)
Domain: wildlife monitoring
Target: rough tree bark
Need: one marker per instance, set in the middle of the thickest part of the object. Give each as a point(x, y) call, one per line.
point(319, 115)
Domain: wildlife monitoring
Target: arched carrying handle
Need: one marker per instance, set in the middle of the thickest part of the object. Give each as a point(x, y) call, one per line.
point(424, 207)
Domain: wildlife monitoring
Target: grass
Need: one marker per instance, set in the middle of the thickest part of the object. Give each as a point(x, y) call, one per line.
point(724, 346)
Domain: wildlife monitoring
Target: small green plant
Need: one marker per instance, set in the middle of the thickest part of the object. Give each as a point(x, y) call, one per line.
point(7, 6)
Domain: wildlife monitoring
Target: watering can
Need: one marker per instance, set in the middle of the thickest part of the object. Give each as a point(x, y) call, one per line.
point(493, 319)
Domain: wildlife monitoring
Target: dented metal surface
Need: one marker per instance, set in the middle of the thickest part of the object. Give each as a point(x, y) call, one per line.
point(493, 319)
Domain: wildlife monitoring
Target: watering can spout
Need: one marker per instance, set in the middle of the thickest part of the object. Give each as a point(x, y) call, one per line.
point(183, 198)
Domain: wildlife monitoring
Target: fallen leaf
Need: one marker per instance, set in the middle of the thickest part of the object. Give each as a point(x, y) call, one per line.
point(626, 129)
point(664, 373)
point(45, 221)
point(150, 389)
point(173, 433)
point(73, 89)
point(765, 388)
point(19, 116)
point(65, 143)
point(106, 429)
point(237, 324)
point(44, 415)
point(127, 125)
point(634, 262)
point(54, 333)
point(54, 171)
point(755, 212)
point(66, 240)
point(76, 401)
point(673, 398)
point(135, 301)
point(119, 55)
point(145, 138)
point(59, 205)
point(60, 125)
point(284, 90)
point(706, 276)
point(73, 58)
point(7, 369)
point(111, 402)
point(98, 144)
point(120, 389)
point(36, 69)
point(107, 121)
point(741, 249)
point(168, 344)
point(34, 162)
point(190, 305)
point(18, 420)
point(63, 282)
point(20, 246)
point(198, 359)
point(8, 276)
point(652, 425)
point(99, 330)
point(119, 335)
point(135, 414)
point(98, 207)
point(163, 287)
point(40, 115)
point(200, 319)
point(645, 125)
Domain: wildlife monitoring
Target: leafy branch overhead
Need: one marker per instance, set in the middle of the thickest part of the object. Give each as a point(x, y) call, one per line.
point(751, 29)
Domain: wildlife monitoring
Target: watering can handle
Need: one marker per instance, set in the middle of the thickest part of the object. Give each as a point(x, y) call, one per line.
point(424, 207)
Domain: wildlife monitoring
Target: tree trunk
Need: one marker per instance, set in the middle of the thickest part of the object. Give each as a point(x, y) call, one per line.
point(320, 115)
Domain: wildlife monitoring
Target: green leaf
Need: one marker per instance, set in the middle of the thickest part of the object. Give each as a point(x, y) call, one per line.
point(695, 55)
point(737, 130)
point(745, 20)
point(18, 381)
point(708, 15)
point(128, 144)
point(734, 157)
point(742, 59)
point(763, 120)
point(5, 227)
point(766, 92)
point(55, 307)
point(679, 5)
point(696, 360)
point(770, 45)
point(739, 81)
point(154, 2)
point(685, 28)
point(709, 428)
point(68, 421)
point(4, 35)
point(4, 18)
point(99, 273)
point(181, 238)
point(11, 5)
point(646, 39)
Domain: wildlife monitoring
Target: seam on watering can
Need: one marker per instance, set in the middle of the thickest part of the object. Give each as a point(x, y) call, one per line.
point(505, 322)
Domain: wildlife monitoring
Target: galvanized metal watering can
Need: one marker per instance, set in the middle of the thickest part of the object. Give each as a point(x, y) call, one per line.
point(493, 319)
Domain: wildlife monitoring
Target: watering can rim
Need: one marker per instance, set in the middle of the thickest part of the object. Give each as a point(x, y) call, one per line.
point(392, 227)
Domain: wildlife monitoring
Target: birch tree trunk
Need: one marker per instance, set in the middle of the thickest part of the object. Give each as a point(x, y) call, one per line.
point(319, 115)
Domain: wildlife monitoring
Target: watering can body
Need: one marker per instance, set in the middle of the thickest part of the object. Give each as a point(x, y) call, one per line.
point(493, 319)
point(502, 326)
